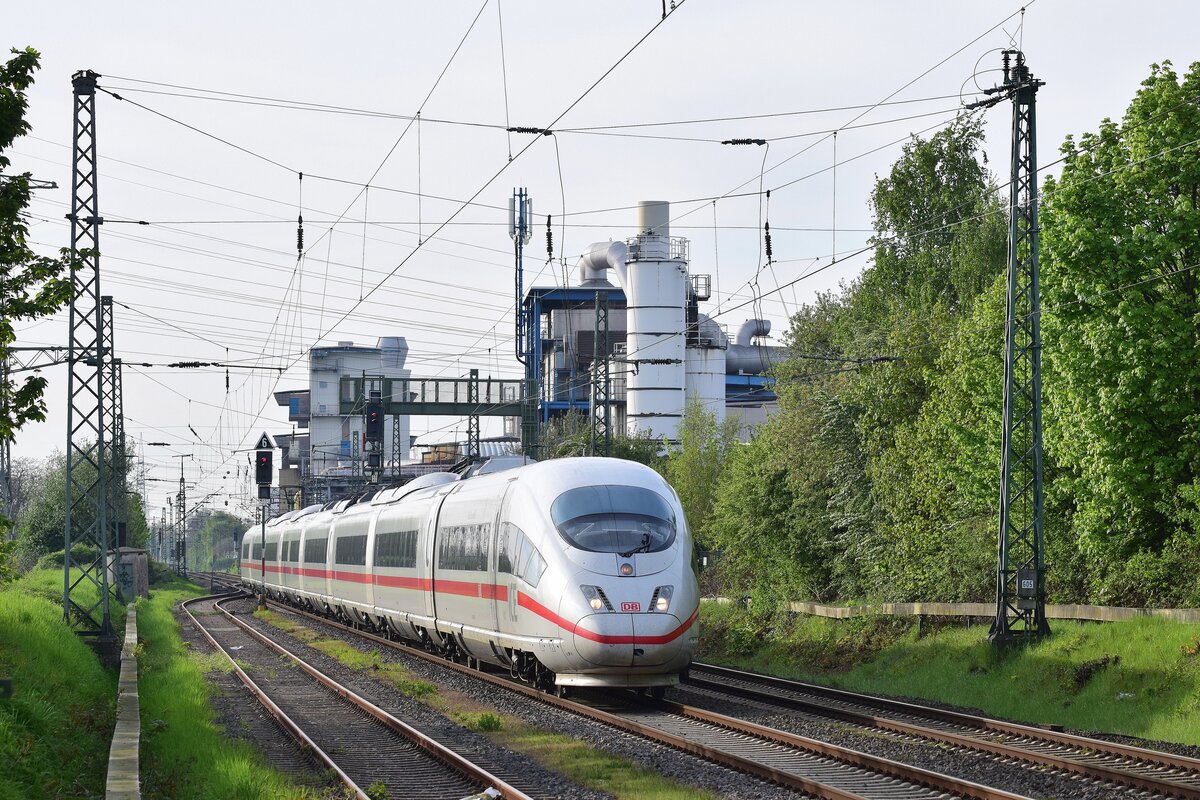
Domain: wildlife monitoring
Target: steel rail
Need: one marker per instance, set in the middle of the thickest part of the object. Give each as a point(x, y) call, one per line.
point(421, 740)
point(1091, 748)
point(275, 711)
point(852, 758)
point(426, 743)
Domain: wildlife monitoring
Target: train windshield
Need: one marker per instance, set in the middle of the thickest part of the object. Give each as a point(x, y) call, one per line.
point(614, 519)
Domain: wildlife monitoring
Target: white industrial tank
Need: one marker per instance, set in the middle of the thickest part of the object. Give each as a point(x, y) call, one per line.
point(705, 366)
point(656, 294)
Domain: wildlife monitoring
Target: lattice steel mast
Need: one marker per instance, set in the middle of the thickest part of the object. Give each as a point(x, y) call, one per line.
point(85, 580)
point(473, 450)
point(1020, 574)
point(114, 420)
point(6, 498)
point(601, 440)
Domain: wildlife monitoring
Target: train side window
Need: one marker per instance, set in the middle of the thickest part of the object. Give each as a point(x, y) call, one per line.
point(507, 548)
point(396, 549)
point(534, 569)
point(315, 551)
point(525, 551)
point(464, 547)
point(351, 550)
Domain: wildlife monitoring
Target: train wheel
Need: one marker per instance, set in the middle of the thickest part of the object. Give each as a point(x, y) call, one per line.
point(562, 691)
point(658, 692)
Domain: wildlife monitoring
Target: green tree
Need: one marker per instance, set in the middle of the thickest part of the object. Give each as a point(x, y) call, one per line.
point(694, 468)
point(39, 528)
point(31, 286)
point(839, 495)
point(213, 540)
point(1121, 282)
point(570, 436)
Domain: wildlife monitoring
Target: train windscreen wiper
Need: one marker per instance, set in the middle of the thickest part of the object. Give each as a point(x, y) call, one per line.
point(642, 548)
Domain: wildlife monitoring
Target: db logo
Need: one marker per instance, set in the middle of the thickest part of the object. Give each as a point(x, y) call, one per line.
point(631, 606)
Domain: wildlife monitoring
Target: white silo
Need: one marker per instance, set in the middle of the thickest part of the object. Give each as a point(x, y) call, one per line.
point(656, 287)
point(705, 365)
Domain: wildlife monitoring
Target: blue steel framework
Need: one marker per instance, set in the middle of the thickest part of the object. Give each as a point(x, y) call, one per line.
point(739, 389)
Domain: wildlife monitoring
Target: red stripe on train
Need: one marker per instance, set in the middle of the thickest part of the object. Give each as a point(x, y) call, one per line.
point(525, 601)
point(494, 591)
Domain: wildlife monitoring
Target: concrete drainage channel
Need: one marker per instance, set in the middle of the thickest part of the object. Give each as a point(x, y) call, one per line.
point(122, 782)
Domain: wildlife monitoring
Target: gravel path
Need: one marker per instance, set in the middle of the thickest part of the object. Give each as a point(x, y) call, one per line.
point(514, 767)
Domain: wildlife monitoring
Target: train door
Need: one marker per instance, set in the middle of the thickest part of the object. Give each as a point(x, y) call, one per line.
point(498, 578)
point(426, 570)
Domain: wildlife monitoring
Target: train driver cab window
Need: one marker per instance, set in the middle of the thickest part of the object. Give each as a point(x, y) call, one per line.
point(614, 519)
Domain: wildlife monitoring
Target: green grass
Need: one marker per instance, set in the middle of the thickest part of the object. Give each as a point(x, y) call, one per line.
point(185, 754)
point(56, 730)
point(365, 660)
point(1139, 677)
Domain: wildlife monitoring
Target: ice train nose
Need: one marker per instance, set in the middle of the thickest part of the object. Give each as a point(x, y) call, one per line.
point(628, 640)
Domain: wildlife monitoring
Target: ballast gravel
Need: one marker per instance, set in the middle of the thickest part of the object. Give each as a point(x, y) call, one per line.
point(516, 768)
point(992, 771)
point(241, 716)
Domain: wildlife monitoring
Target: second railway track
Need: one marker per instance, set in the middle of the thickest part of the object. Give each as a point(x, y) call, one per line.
point(1149, 771)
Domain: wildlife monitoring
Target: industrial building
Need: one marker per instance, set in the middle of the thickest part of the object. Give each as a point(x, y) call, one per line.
point(660, 349)
point(324, 456)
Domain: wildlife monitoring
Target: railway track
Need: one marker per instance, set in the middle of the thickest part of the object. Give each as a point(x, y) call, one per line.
point(1159, 773)
point(358, 741)
point(818, 769)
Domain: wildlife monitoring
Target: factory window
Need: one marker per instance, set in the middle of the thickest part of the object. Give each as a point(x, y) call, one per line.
point(464, 547)
point(315, 551)
point(323, 384)
point(351, 550)
point(614, 519)
point(272, 551)
point(396, 549)
point(516, 555)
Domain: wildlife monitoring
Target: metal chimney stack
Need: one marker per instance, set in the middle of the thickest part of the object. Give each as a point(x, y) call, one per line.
point(656, 290)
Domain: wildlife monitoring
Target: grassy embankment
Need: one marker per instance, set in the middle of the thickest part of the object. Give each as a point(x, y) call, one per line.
point(56, 729)
point(55, 732)
point(1140, 677)
point(558, 753)
point(185, 754)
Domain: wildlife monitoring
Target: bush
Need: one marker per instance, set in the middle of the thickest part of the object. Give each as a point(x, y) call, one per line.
point(81, 553)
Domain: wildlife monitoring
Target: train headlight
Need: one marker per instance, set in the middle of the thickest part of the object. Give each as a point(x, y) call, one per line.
point(662, 598)
point(595, 597)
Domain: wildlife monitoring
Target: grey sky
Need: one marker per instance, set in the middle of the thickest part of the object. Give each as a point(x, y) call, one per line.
point(452, 300)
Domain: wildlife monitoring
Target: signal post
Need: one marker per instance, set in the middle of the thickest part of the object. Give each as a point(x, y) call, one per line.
point(264, 468)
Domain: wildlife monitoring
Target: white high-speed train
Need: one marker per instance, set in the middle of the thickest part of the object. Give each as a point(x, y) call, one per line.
point(570, 572)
